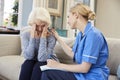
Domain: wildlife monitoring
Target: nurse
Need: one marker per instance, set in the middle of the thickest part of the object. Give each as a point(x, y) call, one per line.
point(90, 50)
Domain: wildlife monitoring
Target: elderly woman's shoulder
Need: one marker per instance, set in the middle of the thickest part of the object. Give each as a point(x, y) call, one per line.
point(25, 30)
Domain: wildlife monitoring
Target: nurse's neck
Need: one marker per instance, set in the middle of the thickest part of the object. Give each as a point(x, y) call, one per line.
point(81, 25)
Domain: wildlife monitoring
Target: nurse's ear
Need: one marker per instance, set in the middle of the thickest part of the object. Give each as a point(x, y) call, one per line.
point(76, 15)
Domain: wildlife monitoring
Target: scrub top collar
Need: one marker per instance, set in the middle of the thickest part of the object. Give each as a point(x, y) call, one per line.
point(87, 28)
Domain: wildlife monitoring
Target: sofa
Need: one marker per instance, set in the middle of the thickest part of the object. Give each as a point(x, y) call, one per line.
point(11, 58)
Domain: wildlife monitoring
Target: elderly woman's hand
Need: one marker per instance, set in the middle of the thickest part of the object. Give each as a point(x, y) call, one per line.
point(44, 32)
point(34, 32)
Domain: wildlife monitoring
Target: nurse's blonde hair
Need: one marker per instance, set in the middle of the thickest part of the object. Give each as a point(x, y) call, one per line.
point(39, 13)
point(83, 10)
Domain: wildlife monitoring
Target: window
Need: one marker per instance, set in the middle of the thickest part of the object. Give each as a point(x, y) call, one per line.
point(8, 15)
point(54, 7)
point(87, 2)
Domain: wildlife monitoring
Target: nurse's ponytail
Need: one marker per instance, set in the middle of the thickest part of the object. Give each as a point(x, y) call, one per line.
point(84, 11)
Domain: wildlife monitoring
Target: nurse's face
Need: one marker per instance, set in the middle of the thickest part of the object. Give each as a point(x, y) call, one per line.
point(72, 20)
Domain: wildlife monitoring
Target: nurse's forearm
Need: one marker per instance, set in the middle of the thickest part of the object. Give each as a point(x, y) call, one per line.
point(77, 68)
point(66, 48)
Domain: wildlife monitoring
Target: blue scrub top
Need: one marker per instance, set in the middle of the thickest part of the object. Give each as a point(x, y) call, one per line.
point(91, 47)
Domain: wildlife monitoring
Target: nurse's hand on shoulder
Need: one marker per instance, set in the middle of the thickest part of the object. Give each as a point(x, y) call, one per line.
point(52, 63)
point(55, 34)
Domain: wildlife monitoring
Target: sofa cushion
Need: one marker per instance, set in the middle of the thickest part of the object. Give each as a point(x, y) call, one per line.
point(114, 54)
point(113, 77)
point(10, 66)
point(9, 45)
point(60, 52)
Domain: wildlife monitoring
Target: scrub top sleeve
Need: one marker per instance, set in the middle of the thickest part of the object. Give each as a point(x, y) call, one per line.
point(92, 48)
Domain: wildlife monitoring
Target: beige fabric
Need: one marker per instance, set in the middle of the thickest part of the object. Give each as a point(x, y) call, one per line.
point(10, 66)
point(3, 78)
point(112, 77)
point(9, 44)
point(59, 51)
point(114, 54)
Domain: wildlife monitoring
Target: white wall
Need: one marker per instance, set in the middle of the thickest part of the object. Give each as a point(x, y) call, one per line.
point(108, 17)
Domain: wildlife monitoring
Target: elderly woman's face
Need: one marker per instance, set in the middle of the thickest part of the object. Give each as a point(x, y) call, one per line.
point(40, 25)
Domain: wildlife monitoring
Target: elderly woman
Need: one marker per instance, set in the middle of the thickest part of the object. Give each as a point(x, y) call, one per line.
point(37, 44)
